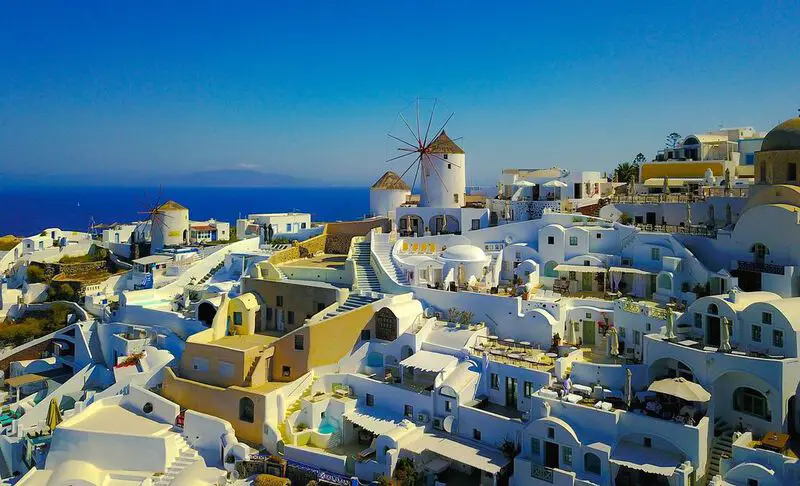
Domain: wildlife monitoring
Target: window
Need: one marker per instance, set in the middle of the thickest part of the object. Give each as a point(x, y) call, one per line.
point(712, 309)
point(791, 172)
point(751, 402)
point(598, 236)
point(408, 411)
point(626, 262)
point(777, 338)
point(566, 455)
point(302, 225)
point(476, 224)
point(588, 315)
point(752, 482)
point(655, 254)
point(766, 318)
point(291, 317)
point(573, 275)
point(237, 318)
point(246, 410)
point(370, 399)
point(385, 325)
point(648, 442)
point(147, 408)
point(476, 434)
point(591, 463)
point(551, 240)
point(298, 342)
point(444, 156)
point(455, 198)
point(269, 313)
point(551, 433)
point(621, 331)
point(448, 407)
point(648, 327)
point(536, 446)
point(698, 320)
point(200, 364)
point(365, 336)
point(586, 263)
point(755, 333)
point(288, 227)
point(320, 306)
point(286, 371)
point(449, 166)
point(637, 337)
point(573, 241)
point(527, 389)
point(495, 381)
point(225, 369)
point(279, 301)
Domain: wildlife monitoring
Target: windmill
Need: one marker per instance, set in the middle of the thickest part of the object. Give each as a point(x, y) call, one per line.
point(151, 216)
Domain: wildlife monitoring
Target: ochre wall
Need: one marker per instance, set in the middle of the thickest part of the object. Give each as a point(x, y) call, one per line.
point(777, 163)
point(680, 169)
point(241, 363)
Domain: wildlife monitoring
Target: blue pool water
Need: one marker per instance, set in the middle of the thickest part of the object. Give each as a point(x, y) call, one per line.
point(327, 428)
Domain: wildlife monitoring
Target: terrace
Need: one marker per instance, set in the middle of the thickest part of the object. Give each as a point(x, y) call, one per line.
point(516, 353)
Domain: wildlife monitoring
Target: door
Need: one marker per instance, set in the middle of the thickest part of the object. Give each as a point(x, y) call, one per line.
point(551, 455)
point(588, 333)
point(279, 319)
point(511, 392)
point(650, 218)
point(587, 281)
point(712, 331)
point(578, 190)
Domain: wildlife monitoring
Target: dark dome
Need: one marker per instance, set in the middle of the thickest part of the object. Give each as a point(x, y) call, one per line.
point(785, 136)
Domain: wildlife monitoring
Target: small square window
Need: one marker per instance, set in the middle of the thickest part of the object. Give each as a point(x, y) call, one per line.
point(449, 166)
point(370, 399)
point(777, 338)
point(365, 336)
point(536, 446)
point(598, 235)
point(566, 453)
point(408, 411)
point(648, 327)
point(448, 406)
point(766, 318)
point(752, 482)
point(476, 224)
point(495, 381)
point(551, 240)
point(455, 198)
point(444, 156)
point(291, 317)
point(527, 389)
point(588, 315)
point(551, 433)
point(237, 318)
point(286, 371)
point(648, 442)
point(655, 254)
point(755, 333)
point(279, 300)
point(476, 434)
point(298, 342)
point(573, 241)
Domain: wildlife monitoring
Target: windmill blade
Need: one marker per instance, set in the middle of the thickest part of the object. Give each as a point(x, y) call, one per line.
point(403, 141)
point(413, 135)
point(416, 173)
point(439, 176)
point(430, 119)
point(410, 166)
point(443, 127)
point(401, 156)
point(418, 132)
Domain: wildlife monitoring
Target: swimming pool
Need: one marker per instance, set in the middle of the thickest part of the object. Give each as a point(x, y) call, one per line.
point(327, 428)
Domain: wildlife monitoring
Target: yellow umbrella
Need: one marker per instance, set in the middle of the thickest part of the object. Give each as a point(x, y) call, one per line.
point(53, 415)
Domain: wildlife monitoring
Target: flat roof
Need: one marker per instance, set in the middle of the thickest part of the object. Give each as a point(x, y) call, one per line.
point(471, 454)
point(152, 259)
point(244, 342)
point(323, 260)
point(429, 361)
point(115, 419)
point(22, 380)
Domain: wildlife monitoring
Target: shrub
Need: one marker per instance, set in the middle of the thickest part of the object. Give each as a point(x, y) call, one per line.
point(383, 481)
point(35, 274)
point(270, 480)
point(405, 474)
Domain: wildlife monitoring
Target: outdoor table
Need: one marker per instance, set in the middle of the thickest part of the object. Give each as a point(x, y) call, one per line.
point(653, 406)
point(688, 343)
point(497, 352)
point(573, 398)
point(551, 355)
point(492, 338)
point(775, 441)
point(525, 344)
point(582, 389)
point(603, 406)
point(709, 348)
point(514, 356)
point(548, 393)
point(478, 347)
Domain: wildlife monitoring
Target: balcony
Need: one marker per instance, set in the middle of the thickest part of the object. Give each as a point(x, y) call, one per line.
point(760, 267)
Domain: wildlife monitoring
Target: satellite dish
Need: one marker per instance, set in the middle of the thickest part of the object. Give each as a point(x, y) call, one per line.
point(427, 313)
point(508, 240)
point(447, 424)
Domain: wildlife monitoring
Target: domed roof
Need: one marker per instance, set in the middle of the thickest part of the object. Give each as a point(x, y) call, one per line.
point(785, 136)
point(464, 253)
point(444, 145)
point(172, 206)
point(391, 181)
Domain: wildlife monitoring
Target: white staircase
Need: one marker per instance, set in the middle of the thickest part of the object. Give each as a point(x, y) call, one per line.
point(186, 457)
point(366, 279)
point(383, 250)
point(722, 446)
point(354, 301)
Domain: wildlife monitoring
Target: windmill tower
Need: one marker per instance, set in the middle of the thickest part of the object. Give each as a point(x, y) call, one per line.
point(438, 161)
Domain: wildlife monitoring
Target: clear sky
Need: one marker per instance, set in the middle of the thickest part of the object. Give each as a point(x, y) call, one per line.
point(311, 88)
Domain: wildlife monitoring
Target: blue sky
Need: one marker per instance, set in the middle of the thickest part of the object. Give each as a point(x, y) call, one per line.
point(311, 89)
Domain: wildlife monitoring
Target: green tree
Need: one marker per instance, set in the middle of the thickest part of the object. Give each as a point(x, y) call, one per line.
point(625, 171)
point(405, 474)
point(639, 160)
point(672, 140)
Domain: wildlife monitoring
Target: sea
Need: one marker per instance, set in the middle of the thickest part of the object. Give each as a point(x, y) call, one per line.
point(26, 211)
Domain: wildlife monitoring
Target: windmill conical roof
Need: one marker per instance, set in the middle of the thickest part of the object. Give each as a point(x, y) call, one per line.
point(444, 145)
point(172, 206)
point(391, 181)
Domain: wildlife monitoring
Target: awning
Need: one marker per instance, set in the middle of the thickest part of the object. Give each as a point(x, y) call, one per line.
point(429, 361)
point(22, 380)
point(554, 183)
point(523, 183)
point(579, 268)
point(681, 388)
point(647, 459)
point(634, 271)
point(373, 420)
point(483, 458)
point(671, 181)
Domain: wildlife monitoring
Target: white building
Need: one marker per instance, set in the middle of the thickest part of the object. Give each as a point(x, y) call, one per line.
point(387, 194)
point(170, 226)
point(281, 223)
point(209, 231)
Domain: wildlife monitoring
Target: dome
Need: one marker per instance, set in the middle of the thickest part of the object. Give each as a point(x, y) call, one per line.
point(464, 253)
point(785, 136)
point(391, 181)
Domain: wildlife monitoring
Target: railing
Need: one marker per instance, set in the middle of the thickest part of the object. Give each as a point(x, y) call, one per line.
point(760, 267)
point(542, 473)
point(697, 230)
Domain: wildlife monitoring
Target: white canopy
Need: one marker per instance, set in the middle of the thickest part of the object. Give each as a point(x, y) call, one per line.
point(646, 459)
point(523, 183)
point(429, 361)
point(554, 183)
point(634, 271)
point(681, 388)
point(373, 420)
point(578, 268)
point(483, 458)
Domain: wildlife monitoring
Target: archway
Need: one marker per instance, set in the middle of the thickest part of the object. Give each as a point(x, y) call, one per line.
point(246, 410)
point(747, 400)
point(760, 252)
point(412, 225)
point(670, 368)
point(185, 236)
point(665, 281)
point(441, 224)
point(206, 313)
point(550, 269)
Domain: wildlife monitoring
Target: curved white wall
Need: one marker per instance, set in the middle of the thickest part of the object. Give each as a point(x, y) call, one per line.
point(170, 227)
point(385, 201)
point(441, 179)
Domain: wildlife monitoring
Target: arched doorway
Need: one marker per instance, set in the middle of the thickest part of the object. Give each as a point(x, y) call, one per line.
point(206, 313)
point(670, 368)
point(185, 236)
point(550, 269)
point(441, 224)
point(412, 225)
